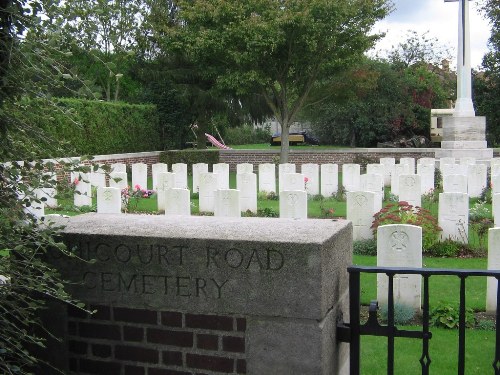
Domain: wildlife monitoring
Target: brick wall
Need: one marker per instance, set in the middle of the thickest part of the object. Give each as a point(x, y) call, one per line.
point(125, 341)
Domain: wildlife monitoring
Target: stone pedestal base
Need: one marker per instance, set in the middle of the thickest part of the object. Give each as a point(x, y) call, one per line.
point(464, 137)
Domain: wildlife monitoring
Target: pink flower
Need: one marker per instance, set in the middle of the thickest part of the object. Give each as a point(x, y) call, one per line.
point(306, 179)
point(145, 195)
point(76, 181)
point(137, 187)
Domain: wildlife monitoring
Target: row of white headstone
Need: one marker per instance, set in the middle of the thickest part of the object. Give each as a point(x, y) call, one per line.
point(400, 245)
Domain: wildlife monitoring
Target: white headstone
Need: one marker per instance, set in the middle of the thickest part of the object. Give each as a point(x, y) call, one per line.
point(455, 183)
point(361, 206)
point(155, 169)
point(329, 179)
point(83, 189)
point(293, 181)
point(49, 193)
point(244, 168)
point(448, 169)
point(267, 177)
point(227, 203)
point(198, 169)
point(444, 161)
point(426, 173)
point(427, 161)
point(311, 173)
point(493, 264)
point(495, 170)
point(118, 180)
point(477, 176)
point(494, 161)
point(209, 183)
point(388, 164)
point(467, 160)
point(97, 177)
point(282, 170)
point(400, 245)
point(376, 169)
point(453, 216)
point(109, 200)
point(181, 180)
point(410, 189)
point(119, 167)
point(246, 183)
point(410, 162)
point(495, 208)
point(177, 202)
point(35, 208)
point(293, 204)
point(222, 170)
point(495, 184)
point(373, 183)
point(350, 177)
point(166, 181)
point(140, 176)
point(398, 170)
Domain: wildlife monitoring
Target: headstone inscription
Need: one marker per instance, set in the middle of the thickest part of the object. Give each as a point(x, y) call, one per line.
point(209, 183)
point(410, 189)
point(198, 169)
point(350, 176)
point(109, 200)
point(282, 170)
point(267, 177)
point(400, 245)
point(246, 183)
point(222, 170)
point(329, 179)
point(493, 264)
point(227, 203)
point(311, 173)
point(453, 216)
point(293, 204)
point(140, 176)
point(155, 169)
point(177, 202)
point(388, 164)
point(361, 206)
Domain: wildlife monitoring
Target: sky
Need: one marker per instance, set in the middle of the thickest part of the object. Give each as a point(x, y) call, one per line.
point(440, 19)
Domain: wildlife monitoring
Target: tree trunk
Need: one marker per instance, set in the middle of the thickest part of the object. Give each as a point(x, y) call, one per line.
point(201, 141)
point(285, 144)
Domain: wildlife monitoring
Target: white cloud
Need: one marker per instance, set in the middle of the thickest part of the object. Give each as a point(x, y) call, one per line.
point(440, 19)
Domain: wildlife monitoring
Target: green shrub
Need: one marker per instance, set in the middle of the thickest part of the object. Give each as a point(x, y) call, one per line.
point(404, 213)
point(90, 127)
point(246, 134)
point(447, 316)
point(267, 212)
point(190, 157)
point(402, 313)
point(447, 248)
point(365, 247)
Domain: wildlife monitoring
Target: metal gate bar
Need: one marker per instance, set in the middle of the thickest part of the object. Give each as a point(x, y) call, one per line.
point(352, 331)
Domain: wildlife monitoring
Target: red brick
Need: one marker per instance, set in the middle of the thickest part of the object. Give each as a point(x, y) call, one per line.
point(233, 344)
point(176, 338)
point(241, 324)
point(171, 319)
point(208, 342)
point(135, 315)
point(77, 347)
point(172, 358)
point(207, 362)
point(99, 367)
point(222, 323)
point(101, 312)
point(241, 366)
point(135, 370)
point(136, 353)
point(134, 334)
point(159, 371)
point(103, 351)
point(99, 331)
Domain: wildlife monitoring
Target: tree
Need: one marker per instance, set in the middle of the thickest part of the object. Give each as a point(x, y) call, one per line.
point(23, 239)
point(279, 50)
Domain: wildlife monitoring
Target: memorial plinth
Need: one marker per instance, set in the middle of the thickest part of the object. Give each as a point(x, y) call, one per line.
point(206, 294)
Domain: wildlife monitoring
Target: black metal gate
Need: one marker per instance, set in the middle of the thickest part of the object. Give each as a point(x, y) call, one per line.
point(353, 331)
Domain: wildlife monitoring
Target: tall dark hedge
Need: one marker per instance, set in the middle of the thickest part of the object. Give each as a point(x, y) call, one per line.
point(98, 128)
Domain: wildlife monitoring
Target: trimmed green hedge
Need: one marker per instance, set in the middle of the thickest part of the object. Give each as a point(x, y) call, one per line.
point(190, 157)
point(95, 127)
